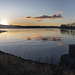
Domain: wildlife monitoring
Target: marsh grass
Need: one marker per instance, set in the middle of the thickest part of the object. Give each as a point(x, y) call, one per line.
point(13, 65)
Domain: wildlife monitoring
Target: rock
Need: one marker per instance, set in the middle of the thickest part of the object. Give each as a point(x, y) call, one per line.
point(72, 50)
point(67, 62)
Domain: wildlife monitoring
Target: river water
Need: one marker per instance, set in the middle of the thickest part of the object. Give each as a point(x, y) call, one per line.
point(43, 44)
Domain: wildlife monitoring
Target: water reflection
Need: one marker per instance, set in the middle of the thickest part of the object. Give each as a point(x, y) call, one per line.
point(59, 43)
point(27, 38)
point(57, 40)
point(67, 32)
point(35, 43)
point(43, 38)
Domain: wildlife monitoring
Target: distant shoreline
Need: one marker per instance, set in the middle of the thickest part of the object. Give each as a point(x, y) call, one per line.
point(62, 27)
point(18, 26)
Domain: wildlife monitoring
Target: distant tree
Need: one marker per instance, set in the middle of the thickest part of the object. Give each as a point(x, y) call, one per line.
point(68, 26)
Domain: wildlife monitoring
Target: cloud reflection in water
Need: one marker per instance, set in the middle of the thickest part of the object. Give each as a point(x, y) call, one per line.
point(57, 40)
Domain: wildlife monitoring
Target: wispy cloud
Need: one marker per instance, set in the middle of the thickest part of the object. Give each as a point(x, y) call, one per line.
point(39, 18)
point(60, 12)
point(19, 18)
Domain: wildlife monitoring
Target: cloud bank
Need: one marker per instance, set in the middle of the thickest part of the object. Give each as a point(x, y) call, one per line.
point(39, 18)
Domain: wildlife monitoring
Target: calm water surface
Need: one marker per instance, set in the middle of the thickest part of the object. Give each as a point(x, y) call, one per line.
point(37, 44)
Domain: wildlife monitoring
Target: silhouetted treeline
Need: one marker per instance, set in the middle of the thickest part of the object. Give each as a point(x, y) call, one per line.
point(68, 26)
point(18, 26)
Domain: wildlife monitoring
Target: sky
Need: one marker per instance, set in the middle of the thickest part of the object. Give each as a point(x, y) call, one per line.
point(37, 12)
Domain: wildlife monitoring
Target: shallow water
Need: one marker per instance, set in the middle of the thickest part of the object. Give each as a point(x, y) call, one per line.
point(43, 45)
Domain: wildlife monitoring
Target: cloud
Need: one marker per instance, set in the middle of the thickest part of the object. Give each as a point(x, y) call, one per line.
point(60, 12)
point(56, 16)
point(39, 18)
point(27, 17)
point(19, 18)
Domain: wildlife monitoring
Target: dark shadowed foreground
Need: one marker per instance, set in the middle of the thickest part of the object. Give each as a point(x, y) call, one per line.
point(13, 65)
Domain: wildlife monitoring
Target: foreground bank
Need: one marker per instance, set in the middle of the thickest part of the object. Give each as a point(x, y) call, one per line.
point(13, 65)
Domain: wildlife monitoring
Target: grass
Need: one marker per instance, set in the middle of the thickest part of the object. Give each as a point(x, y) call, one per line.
point(13, 65)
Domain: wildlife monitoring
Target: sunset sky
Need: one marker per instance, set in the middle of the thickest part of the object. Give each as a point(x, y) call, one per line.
point(37, 12)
